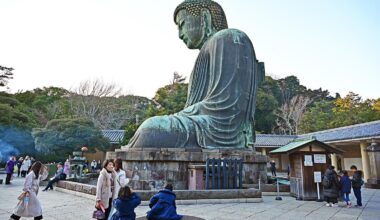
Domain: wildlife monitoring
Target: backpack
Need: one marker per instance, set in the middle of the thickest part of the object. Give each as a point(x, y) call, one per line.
point(326, 182)
point(357, 183)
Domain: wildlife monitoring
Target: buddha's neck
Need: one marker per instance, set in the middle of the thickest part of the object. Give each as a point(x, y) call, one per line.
point(207, 37)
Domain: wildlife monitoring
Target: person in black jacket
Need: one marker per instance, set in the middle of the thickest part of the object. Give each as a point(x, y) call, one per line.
point(273, 167)
point(19, 163)
point(331, 187)
point(357, 182)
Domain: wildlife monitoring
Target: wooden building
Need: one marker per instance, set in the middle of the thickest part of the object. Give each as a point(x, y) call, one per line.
point(308, 159)
point(355, 141)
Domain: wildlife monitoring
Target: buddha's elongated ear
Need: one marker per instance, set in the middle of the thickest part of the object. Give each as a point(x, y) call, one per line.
point(207, 22)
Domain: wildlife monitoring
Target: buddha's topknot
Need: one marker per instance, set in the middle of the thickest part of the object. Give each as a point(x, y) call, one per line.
point(194, 7)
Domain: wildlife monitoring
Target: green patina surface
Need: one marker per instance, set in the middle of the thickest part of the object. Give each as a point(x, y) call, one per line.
point(220, 107)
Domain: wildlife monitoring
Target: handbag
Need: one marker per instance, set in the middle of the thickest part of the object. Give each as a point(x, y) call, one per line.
point(99, 213)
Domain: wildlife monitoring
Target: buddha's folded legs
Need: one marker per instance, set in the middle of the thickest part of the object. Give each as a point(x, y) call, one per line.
point(165, 132)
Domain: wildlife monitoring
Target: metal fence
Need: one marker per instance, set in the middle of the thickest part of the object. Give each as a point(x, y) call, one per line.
point(296, 188)
point(224, 174)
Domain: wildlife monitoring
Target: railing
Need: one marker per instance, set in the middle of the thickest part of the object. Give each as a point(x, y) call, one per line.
point(224, 174)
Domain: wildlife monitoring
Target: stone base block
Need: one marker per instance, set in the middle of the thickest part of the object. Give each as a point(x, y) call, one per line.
point(150, 168)
point(240, 195)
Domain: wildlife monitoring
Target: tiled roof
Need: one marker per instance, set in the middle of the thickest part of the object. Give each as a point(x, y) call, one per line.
point(272, 140)
point(115, 136)
point(364, 130)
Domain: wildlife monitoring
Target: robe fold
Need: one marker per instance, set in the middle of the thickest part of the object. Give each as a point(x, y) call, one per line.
point(220, 102)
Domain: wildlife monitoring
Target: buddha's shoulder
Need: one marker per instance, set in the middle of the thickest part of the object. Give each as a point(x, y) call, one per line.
point(234, 34)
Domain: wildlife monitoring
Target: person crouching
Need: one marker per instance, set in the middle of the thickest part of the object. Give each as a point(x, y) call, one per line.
point(163, 205)
point(125, 204)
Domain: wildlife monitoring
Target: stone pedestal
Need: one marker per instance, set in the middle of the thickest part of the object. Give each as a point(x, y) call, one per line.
point(374, 164)
point(151, 167)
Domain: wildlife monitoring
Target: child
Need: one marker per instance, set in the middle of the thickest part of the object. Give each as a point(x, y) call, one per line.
point(125, 204)
point(346, 188)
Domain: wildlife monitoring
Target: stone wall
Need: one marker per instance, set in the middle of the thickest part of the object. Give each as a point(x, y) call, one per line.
point(78, 187)
point(181, 194)
point(149, 168)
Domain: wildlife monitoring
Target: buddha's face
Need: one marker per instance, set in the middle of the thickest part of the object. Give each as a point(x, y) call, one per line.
point(192, 29)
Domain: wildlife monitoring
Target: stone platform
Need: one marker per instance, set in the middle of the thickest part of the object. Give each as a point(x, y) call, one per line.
point(149, 168)
point(66, 206)
point(203, 196)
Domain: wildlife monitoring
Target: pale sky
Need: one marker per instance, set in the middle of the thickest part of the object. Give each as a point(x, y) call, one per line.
point(330, 44)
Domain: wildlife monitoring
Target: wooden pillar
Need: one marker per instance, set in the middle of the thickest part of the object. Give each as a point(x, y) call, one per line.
point(365, 160)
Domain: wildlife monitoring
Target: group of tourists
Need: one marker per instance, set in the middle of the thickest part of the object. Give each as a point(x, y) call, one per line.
point(116, 200)
point(21, 166)
point(339, 186)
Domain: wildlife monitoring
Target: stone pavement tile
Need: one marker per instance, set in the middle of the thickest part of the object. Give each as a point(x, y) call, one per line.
point(62, 206)
point(344, 217)
point(227, 217)
point(262, 216)
point(295, 214)
point(350, 211)
point(5, 216)
point(208, 215)
point(317, 217)
point(267, 214)
point(307, 209)
point(369, 217)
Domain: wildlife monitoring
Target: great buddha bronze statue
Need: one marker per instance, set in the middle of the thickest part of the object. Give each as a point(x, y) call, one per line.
point(220, 107)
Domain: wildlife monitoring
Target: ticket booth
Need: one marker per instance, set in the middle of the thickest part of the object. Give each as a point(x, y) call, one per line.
point(308, 159)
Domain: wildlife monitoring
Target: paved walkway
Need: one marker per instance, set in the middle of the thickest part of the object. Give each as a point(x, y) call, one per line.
point(57, 205)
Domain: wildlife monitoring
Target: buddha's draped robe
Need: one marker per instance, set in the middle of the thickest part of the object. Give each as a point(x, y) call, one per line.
point(220, 103)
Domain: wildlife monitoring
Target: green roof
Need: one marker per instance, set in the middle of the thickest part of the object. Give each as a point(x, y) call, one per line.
point(292, 145)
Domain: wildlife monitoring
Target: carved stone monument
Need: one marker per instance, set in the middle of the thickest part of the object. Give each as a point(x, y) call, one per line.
point(218, 118)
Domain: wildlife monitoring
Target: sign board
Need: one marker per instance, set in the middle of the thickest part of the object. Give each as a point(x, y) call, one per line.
point(317, 177)
point(319, 158)
point(308, 161)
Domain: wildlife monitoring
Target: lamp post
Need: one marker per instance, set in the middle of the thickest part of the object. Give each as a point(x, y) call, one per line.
point(373, 147)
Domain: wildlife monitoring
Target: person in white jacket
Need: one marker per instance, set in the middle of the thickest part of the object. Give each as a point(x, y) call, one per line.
point(121, 178)
point(93, 166)
point(25, 166)
point(29, 205)
point(105, 188)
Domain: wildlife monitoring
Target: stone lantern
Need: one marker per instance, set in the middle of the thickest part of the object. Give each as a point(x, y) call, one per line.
point(374, 162)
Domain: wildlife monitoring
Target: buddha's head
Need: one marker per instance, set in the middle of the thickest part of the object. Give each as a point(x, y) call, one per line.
point(198, 20)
